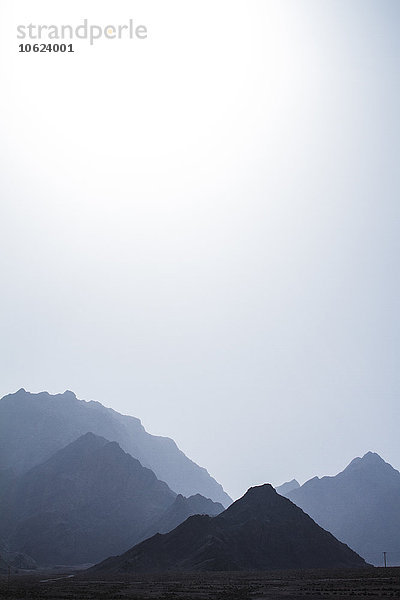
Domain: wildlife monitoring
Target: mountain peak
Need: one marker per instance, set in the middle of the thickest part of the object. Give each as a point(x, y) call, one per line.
point(369, 459)
point(359, 505)
point(260, 500)
point(266, 490)
point(90, 438)
point(372, 456)
point(257, 495)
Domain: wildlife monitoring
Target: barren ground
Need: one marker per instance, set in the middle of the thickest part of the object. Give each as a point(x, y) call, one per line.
point(339, 584)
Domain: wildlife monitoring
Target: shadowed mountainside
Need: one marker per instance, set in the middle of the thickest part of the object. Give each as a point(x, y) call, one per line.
point(88, 500)
point(262, 530)
point(34, 426)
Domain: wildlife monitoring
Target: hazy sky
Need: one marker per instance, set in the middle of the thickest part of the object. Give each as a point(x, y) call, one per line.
point(202, 229)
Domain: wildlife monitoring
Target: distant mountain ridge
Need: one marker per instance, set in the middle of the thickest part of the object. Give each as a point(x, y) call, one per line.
point(262, 530)
point(35, 426)
point(287, 487)
point(89, 500)
point(360, 506)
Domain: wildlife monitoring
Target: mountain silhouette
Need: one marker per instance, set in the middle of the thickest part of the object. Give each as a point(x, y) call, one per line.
point(262, 530)
point(34, 426)
point(360, 506)
point(88, 500)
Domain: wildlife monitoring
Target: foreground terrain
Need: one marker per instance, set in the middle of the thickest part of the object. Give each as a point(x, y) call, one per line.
point(339, 584)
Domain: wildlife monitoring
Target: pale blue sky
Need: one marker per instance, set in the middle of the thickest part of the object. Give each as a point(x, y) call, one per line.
point(202, 230)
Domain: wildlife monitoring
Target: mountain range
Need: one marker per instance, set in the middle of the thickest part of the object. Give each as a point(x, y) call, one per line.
point(34, 426)
point(260, 531)
point(87, 501)
point(360, 506)
point(80, 482)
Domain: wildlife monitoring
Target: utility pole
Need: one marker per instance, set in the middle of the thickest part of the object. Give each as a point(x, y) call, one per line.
point(384, 559)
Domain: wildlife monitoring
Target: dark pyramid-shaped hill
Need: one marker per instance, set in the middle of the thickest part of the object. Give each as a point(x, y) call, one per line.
point(87, 501)
point(34, 426)
point(262, 530)
point(360, 506)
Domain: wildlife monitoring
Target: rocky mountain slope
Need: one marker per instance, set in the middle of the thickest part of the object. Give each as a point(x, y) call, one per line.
point(260, 531)
point(89, 500)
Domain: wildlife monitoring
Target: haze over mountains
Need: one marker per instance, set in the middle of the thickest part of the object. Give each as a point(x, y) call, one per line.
point(35, 426)
point(360, 506)
point(262, 530)
point(80, 501)
point(85, 502)
point(69, 495)
point(89, 500)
